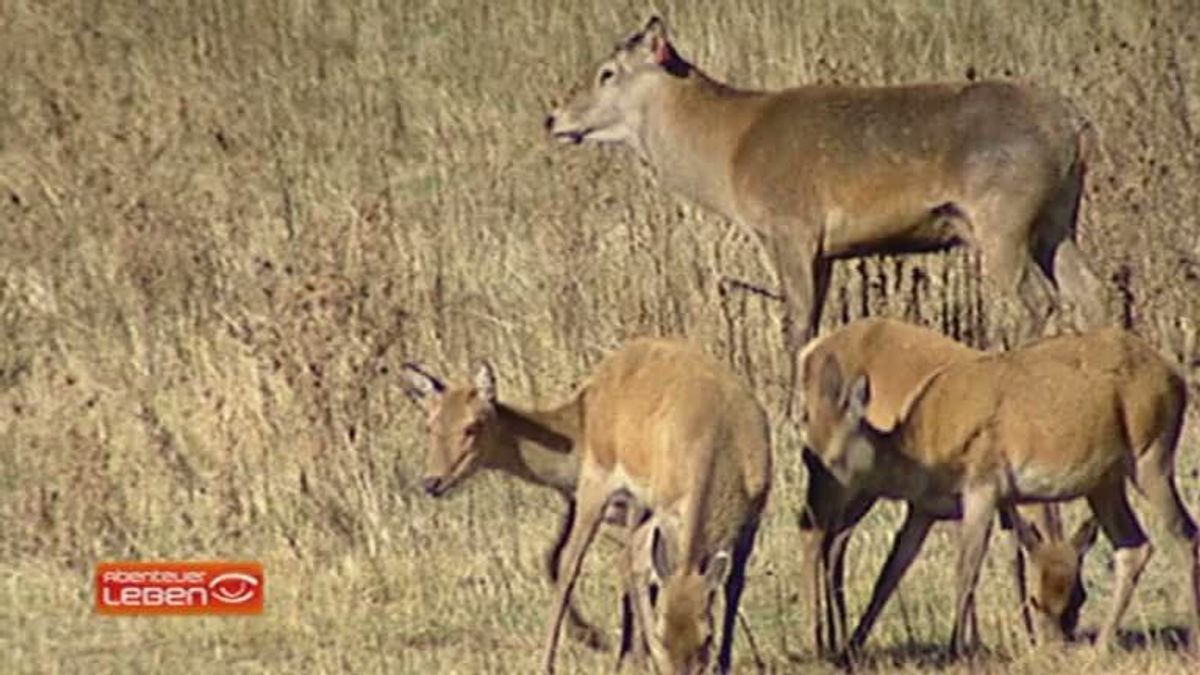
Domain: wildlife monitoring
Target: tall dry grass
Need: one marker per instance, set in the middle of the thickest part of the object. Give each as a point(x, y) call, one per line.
point(223, 225)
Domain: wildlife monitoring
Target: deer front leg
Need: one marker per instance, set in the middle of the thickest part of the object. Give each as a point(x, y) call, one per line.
point(635, 570)
point(820, 519)
point(905, 548)
point(590, 506)
point(834, 551)
point(805, 276)
point(578, 627)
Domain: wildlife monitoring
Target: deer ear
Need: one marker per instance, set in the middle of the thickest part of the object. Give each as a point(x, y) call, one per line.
point(485, 380)
point(718, 570)
point(830, 385)
point(659, 552)
point(1085, 536)
point(1027, 533)
point(418, 384)
point(654, 37)
point(654, 30)
point(858, 398)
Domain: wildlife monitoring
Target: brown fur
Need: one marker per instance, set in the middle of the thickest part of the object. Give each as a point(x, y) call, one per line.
point(659, 421)
point(537, 446)
point(1068, 417)
point(897, 357)
point(825, 172)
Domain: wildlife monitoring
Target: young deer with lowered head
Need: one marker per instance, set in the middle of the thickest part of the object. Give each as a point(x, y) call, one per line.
point(897, 357)
point(661, 422)
point(825, 172)
point(1075, 416)
point(539, 446)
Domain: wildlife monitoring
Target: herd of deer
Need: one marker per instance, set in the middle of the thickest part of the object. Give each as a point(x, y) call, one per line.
point(669, 448)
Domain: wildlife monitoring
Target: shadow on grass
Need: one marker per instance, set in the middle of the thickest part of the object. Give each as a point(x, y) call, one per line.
point(936, 656)
point(922, 655)
point(1170, 638)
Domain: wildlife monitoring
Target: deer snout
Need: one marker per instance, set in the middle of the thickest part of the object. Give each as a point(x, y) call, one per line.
point(432, 485)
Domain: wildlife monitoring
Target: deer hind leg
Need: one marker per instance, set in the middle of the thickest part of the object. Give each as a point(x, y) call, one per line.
point(1156, 480)
point(591, 503)
point(905, 547)
point(979, 510)
point(1131, 552)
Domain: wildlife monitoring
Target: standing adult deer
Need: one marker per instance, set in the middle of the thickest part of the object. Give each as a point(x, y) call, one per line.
point(660, 421)
point(827, 172)
point(897, 357)
point(1070, 417)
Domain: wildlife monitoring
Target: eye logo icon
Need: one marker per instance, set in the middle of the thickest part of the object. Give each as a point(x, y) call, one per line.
point(233, 588)
point(180, 587)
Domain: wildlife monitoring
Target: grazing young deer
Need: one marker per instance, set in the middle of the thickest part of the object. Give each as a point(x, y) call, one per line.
point(548, 457)
point(897, 357)
point(1069, 417)
point(825, 172)
point(659, 420)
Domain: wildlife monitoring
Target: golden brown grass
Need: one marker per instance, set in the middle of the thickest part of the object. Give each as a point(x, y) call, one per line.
point(222, 226)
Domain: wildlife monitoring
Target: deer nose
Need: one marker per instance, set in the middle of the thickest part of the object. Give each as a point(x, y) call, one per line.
point(432, 485)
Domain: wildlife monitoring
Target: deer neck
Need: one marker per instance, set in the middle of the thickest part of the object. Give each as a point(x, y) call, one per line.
point(896, 474)
point(542, 446)
point(690, 128)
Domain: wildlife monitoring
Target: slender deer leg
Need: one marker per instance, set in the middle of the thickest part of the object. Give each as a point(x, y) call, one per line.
point(819, 515)
point(1079, 285)
point(972, 637)
point(905, 547)
point(833, 551)
point(1021, 582)
point(578, 628)
point(590, 505)
point(1060, 259)
point(829, 512)
point(1019, 318)
point(839, 537)
point(634, 614)
point(979, 510)
point(1156, 480)
point(812, 571)
point(1132, 551)
point(805, 278)
point(1003, 225)
point(733, 593)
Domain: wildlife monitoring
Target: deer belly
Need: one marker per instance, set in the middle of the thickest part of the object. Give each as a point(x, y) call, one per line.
point(1048, 481)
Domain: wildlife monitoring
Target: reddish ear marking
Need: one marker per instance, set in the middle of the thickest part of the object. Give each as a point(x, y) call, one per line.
point(662, 52)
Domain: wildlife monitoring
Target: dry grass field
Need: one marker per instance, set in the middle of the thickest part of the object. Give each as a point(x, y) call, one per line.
point(223, 226)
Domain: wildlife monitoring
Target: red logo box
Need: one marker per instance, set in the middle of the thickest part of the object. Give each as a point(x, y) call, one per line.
point(208, 587)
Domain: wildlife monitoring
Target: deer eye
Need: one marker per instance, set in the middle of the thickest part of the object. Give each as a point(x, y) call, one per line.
point(605, 75)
